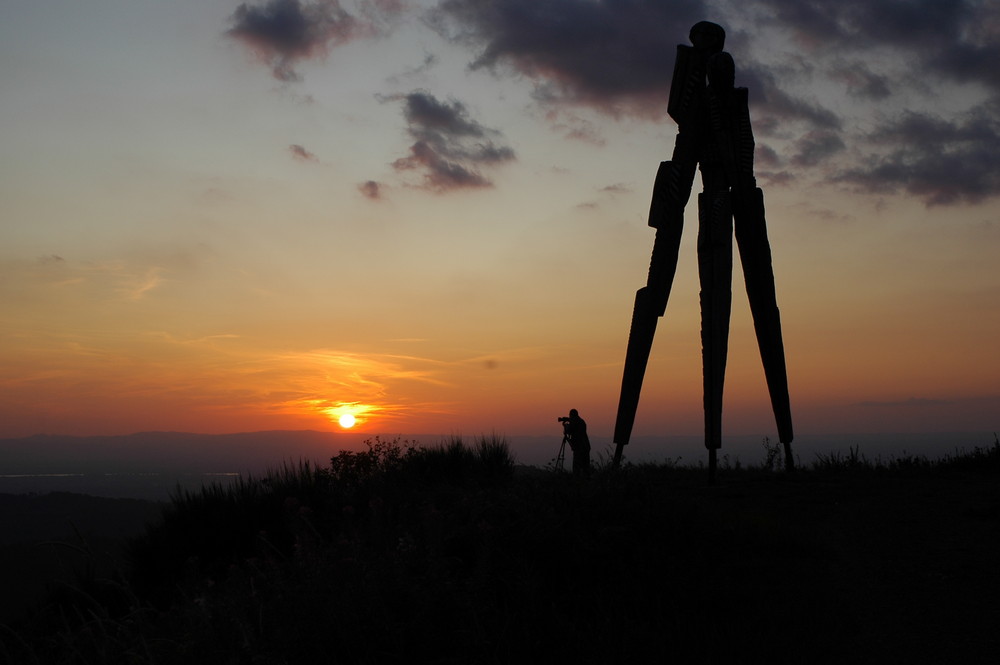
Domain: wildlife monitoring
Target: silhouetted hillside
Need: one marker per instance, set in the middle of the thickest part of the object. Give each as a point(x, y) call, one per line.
point(48, 539)
point(450, 555)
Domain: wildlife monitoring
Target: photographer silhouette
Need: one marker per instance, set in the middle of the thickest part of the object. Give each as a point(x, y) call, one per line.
point(575, 430)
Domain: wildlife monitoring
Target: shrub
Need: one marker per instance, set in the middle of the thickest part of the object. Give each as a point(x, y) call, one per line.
point(495, 458)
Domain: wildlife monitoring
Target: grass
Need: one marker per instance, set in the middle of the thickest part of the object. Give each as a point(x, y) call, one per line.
point(453, 554)
point(979, 458)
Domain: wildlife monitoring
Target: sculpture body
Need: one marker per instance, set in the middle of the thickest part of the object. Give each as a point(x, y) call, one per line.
point(714, 133)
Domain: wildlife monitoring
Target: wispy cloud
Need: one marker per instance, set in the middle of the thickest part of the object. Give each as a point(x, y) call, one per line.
point(301, 154)
point(137, 286)
point(415, 72)
point(325, 381)
point(192, 341)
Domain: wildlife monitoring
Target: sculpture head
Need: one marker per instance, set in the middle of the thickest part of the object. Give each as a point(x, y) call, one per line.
point(707, 36)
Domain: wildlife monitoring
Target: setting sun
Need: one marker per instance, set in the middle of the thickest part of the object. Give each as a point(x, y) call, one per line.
point(349, 414)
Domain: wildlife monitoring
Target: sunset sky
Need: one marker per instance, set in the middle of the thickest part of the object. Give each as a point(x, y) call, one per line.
point(224, 217)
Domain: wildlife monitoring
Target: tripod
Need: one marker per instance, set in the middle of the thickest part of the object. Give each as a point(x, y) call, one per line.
point(561, 457)
point(714, 134)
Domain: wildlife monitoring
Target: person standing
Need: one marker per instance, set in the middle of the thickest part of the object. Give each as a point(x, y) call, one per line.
point(579, 443)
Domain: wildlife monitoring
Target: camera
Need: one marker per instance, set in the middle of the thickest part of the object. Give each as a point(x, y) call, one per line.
point(563, 419)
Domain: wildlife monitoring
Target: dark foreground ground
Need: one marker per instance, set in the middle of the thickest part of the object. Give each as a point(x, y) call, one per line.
point(843, 563)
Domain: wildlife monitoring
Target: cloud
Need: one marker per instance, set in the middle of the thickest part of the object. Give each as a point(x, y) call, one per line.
point(861, 81)
point(439, 173)
point(945, 52)
point(778, 178)
point(371, 190)
point(284, 32)
point(770, 97)
point(939, 161)
point(815, 147)
point(415, 72)
point(107, 281)
point(574, 127)
point(300, 153)
point(451, 147)
point(765, 155)
point(323, 379)
point(957, 39)
point(615, 57)
point(612, 55)
point(143, 284)
point(928, 45)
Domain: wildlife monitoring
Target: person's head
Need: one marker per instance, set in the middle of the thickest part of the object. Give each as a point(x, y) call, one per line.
point(573, 413)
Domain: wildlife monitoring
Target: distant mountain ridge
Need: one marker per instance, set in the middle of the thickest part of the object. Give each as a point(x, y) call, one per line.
point(171, 453)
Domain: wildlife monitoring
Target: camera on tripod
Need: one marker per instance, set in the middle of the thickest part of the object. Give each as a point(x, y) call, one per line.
point(567, 438)
point(574, 435)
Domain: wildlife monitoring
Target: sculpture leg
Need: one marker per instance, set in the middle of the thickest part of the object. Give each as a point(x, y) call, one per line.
point(640, 341)
point(755, 255)
point(715, 269)
point(666, 213)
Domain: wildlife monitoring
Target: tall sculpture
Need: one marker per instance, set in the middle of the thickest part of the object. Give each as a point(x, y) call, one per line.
point(714, 134)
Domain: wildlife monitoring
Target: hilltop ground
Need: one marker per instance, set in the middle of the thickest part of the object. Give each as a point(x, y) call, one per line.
point(453, 557)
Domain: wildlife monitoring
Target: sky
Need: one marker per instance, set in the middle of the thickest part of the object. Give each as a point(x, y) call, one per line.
point(221, 216)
